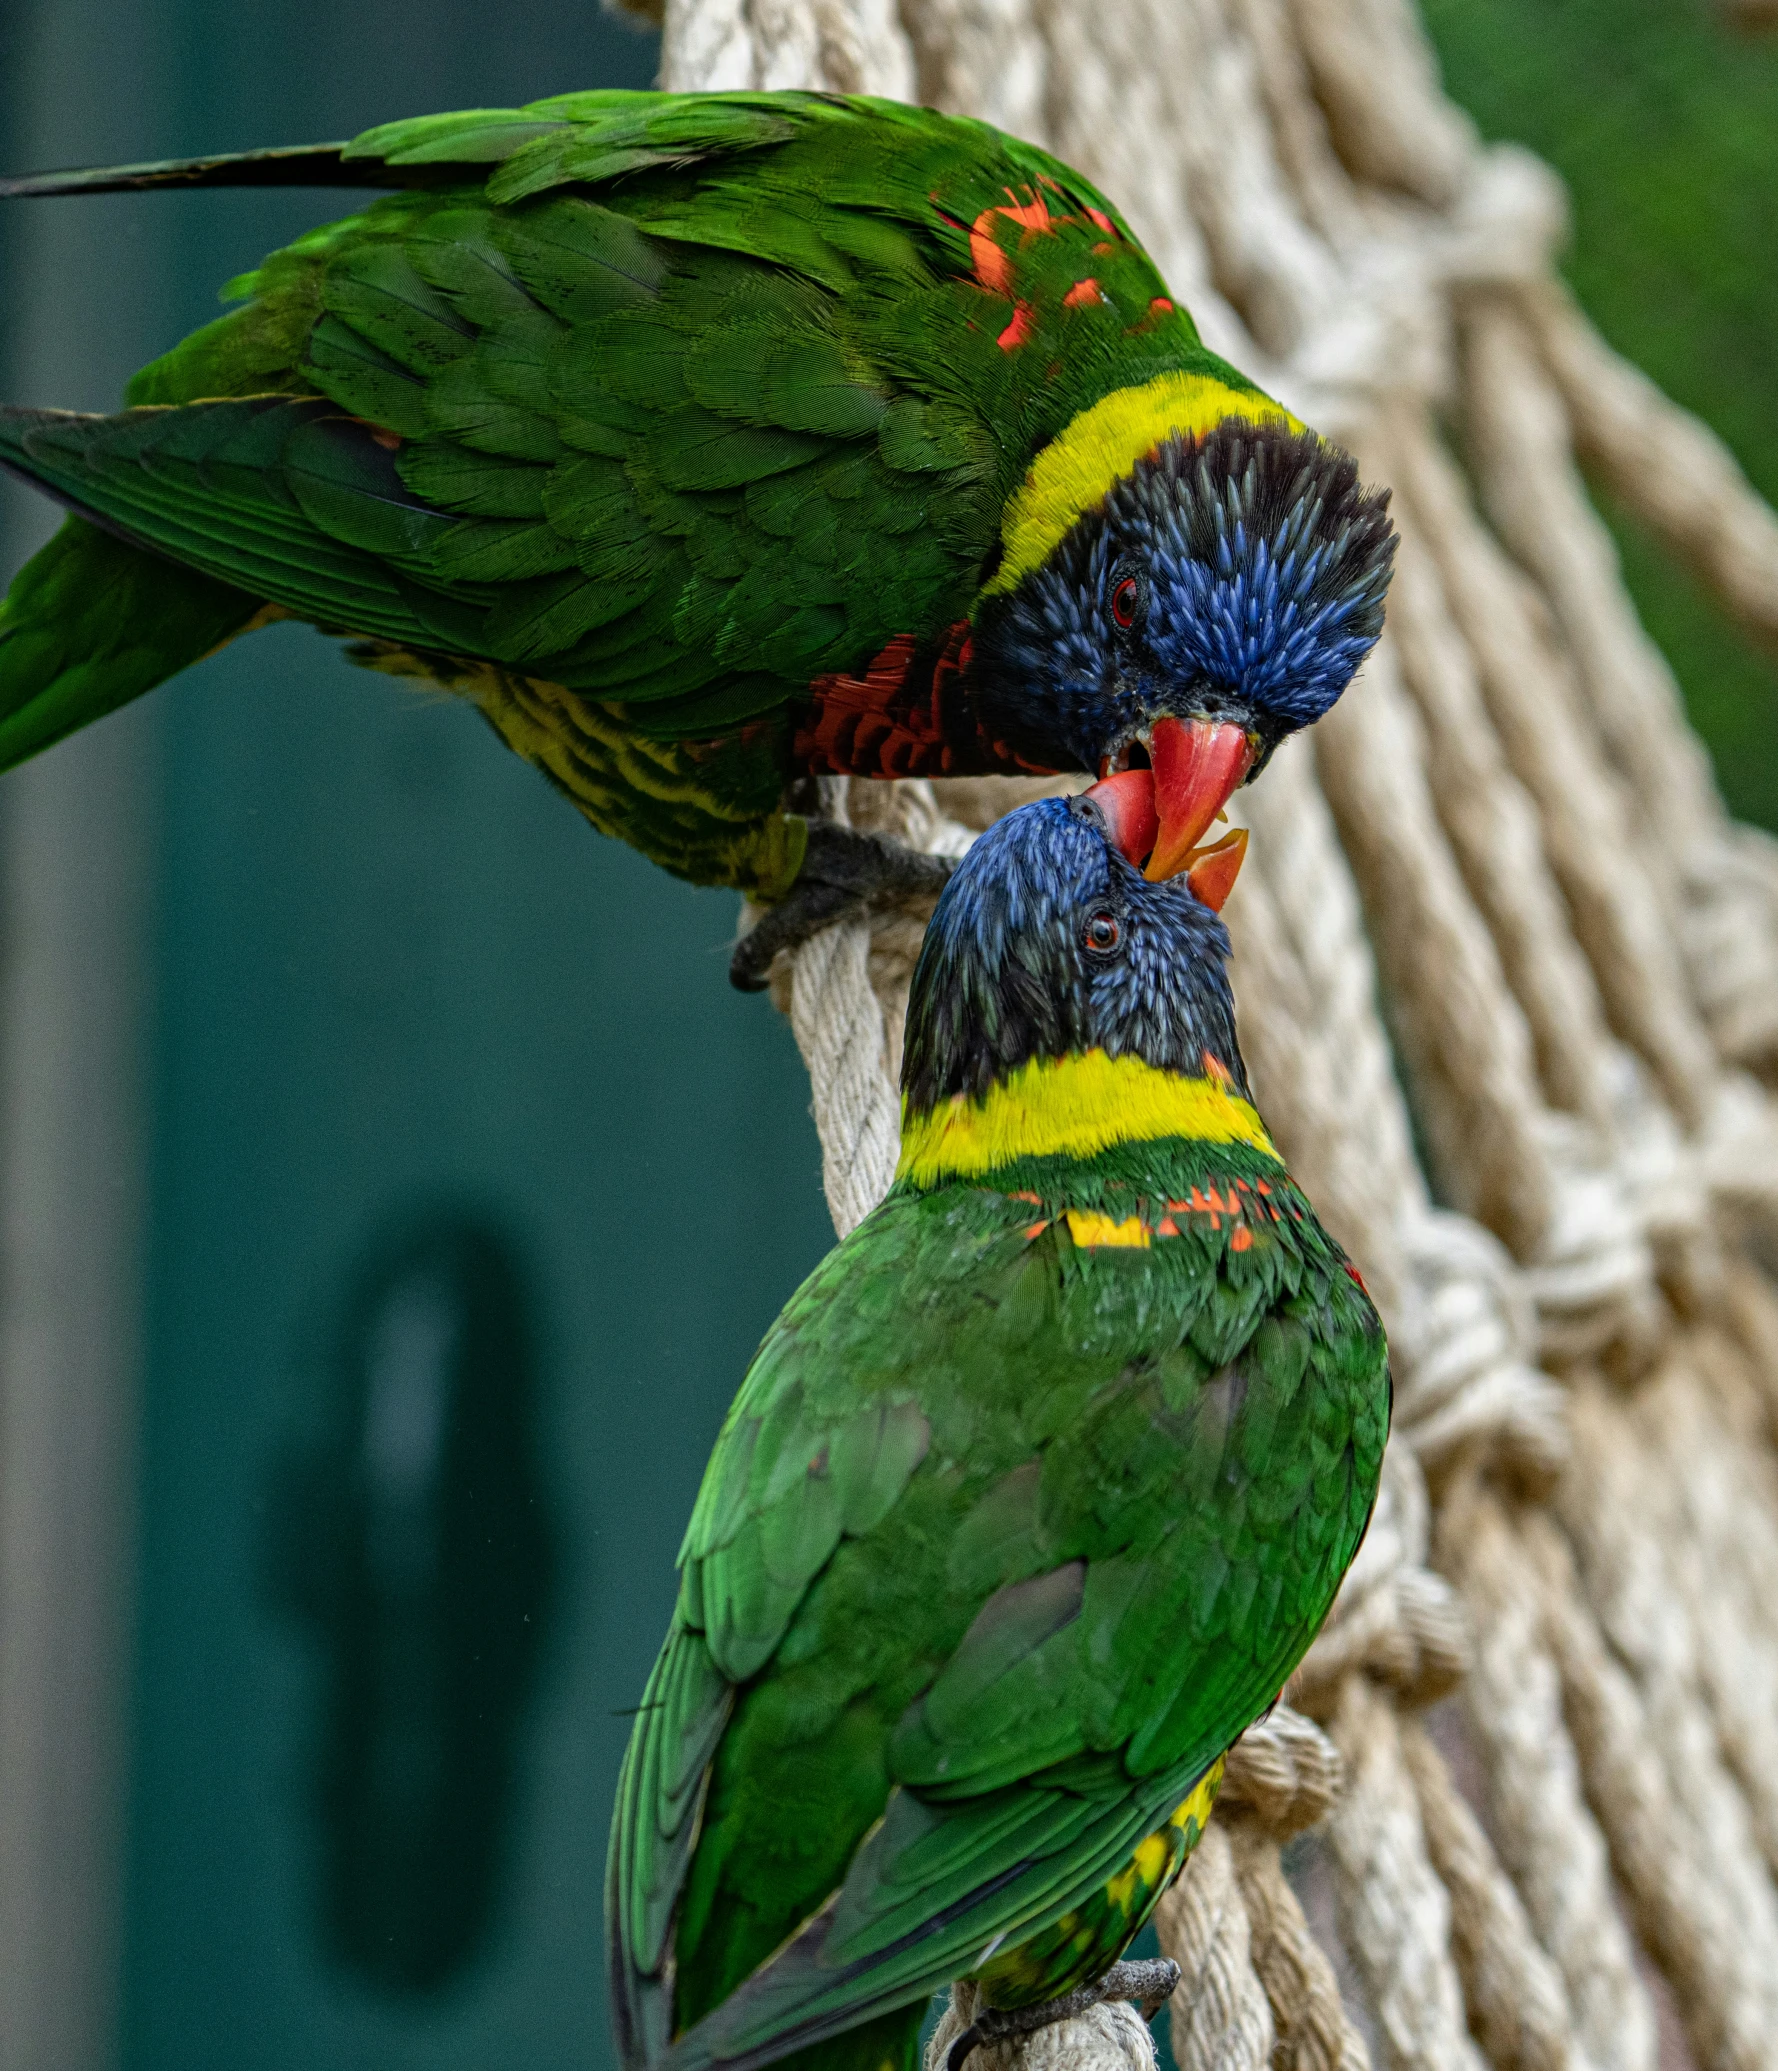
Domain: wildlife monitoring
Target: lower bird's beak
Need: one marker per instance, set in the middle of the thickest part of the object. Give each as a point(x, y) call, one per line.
point(1197, 765)
point(1127, 801)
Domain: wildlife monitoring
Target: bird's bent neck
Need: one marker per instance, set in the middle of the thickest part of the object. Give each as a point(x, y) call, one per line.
point(1071, 1107)
point(1096, 449)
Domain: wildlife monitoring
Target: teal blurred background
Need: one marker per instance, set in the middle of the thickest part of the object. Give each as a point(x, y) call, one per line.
point(311, 971)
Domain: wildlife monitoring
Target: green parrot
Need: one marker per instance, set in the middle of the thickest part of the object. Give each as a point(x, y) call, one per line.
point(1031, 1501)
point(711, 443)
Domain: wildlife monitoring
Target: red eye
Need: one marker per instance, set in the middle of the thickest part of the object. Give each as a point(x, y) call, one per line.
point(1124, 601)
point(1102, 933)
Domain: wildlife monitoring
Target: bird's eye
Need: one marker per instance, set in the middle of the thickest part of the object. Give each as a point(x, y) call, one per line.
point(1102, 933)
point(1126, 602)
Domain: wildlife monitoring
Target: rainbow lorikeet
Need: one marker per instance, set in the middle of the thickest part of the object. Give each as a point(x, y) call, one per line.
point(1032, 1499)
point(710, 443)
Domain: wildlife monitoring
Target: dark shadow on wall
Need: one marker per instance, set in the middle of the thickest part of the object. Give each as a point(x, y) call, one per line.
point(413, 1544)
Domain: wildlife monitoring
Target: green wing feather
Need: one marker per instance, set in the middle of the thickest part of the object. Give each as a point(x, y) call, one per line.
point(90, 624)
point(679, 401)
point(1002, 1544)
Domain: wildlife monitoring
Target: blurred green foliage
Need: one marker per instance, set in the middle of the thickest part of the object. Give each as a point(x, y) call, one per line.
point(1663, 119)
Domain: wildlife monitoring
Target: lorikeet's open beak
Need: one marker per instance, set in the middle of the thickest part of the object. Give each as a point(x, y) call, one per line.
point(1157, 816)
point(1197, 765)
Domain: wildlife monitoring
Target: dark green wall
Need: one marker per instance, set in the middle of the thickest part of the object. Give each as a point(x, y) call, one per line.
point(394, 974)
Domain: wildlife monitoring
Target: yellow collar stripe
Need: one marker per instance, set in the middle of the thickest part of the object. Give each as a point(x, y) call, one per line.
point(1099, 447)
point(1071, 1107)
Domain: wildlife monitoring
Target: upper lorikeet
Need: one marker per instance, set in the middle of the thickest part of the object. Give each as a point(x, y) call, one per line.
point(709, 442)
point(1032, 1499)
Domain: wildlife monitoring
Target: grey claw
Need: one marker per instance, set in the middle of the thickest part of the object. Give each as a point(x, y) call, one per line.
point(844, 873)
point(1151, 1982)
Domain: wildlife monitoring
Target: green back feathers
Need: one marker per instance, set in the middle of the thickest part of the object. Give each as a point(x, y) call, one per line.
point(680, 401)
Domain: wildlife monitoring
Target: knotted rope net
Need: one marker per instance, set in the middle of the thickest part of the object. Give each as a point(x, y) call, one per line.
point(1508, 978)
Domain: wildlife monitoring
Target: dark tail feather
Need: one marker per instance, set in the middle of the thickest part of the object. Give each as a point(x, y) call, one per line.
point(90, 623)
point(300, 165)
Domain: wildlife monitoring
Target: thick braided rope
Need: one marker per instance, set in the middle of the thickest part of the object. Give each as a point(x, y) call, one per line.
point(1495, 833)
point(1661, 1861)
point(1669, 468)
point(1308, 989)
point(1222, 2019)
point(1467, 1043)
point(1513, 1992)
point(1538, 1816)
point(1311, 2027)
point(1721, 1540)
point(838, 1022)
point(1626, 1576)
point(1517, 431)
point(1109, 2037)
point(1534, 707)
point(1395, 1914)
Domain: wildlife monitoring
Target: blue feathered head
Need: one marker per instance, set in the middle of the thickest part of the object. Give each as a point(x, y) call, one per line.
point(1048, 942)
point(1229, 584)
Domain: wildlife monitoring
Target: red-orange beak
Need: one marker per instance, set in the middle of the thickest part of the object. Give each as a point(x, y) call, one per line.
point(1212, 876)
point(1197, 765)
point(1129, 801)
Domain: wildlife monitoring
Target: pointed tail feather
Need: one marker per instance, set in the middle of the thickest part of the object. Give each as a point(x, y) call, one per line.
point(302, 165)
point(90, 623)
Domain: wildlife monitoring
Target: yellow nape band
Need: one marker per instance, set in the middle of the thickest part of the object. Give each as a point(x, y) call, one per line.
point(1070, 1107)
point(1100, 446)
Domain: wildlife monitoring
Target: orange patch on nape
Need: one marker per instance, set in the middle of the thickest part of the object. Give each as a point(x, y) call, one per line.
point(1216, 1204)
point(1018, 330)
point(992, 266)
point(1082, 293)
point(1028, 215)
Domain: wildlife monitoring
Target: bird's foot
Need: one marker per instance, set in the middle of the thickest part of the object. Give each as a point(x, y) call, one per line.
point(1151, 1982)
point(844, 873)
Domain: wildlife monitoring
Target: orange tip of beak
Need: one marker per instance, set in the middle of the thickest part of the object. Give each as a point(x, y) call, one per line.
point(1212, 877)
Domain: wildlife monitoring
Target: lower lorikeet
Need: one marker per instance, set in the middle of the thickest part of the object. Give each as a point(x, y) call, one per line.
point(1031, 1501)
point(710, 443)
